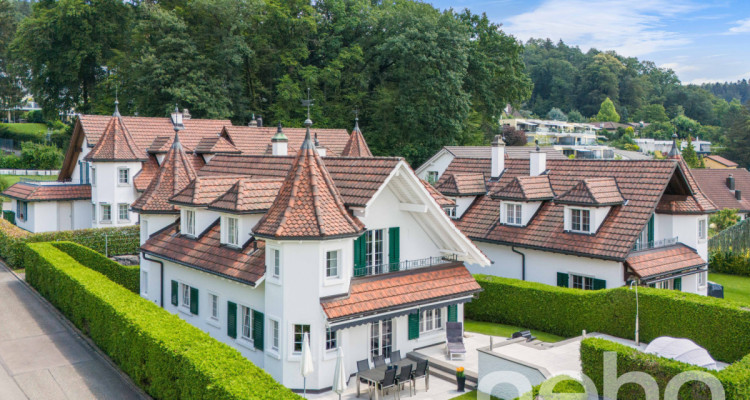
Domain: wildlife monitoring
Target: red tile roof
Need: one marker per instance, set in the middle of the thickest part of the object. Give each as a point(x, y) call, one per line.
point(723, 161)
point(356, 146)
point(116, 144)
point(257, 140)
point(216, 144)
point(526, 188)
point(148, 171)
point(308, 204)
point(373, 294)
point(462, 184)
point(594, 192)
point(441, 200)
point(248, 196)
point(713, 184)
point(206, 253)
point(203, 190)
point(649, 263)
point(175, 173)
point(47, 192)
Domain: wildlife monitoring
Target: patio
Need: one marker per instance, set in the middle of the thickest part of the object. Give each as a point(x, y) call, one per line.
point(439, 390)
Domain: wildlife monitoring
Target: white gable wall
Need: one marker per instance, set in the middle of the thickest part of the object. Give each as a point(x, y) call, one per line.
point(85, 149)
point(108, 190)
point(440, 163)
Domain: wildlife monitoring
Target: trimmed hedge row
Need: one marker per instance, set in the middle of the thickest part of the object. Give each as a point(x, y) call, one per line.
point(735, 379)
point(166, 356)
point(721, 326)
point(128, 276)
point(123, 240)
point(728, 262)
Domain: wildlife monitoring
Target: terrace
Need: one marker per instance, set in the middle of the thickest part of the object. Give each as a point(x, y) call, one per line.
point(384, 268)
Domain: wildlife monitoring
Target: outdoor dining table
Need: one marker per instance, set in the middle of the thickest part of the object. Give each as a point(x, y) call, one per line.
point(375, 375)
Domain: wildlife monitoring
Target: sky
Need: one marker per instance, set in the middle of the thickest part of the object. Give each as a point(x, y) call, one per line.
point(702, 41)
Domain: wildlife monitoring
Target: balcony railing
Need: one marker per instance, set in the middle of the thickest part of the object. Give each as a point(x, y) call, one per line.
point(654, 244)
point(403, 265)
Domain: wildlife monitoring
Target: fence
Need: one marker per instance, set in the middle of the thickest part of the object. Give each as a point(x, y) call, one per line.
point(31, 172)
point(735, 239)
point(110, 243)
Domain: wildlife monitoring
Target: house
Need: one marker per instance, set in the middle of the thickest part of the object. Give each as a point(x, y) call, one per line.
point(727, 188)
point(701, 147)
point(648, 145)
point(550, 132)
point(351, 249)
point(586, 224)
point(116, 157)
point(718, 162)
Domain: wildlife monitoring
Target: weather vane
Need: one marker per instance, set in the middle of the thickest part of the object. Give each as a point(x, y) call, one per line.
point(307, 103)
point(356, 113)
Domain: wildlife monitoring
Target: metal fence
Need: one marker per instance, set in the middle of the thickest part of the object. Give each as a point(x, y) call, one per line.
point(734, 239)
point(109, 244)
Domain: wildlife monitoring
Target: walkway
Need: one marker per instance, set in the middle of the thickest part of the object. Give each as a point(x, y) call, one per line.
point(42, 357)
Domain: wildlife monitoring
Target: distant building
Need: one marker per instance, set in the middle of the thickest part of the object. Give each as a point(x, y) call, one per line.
point(700, 146)
point(718, 162)
point(727, 188)
point(559, 133)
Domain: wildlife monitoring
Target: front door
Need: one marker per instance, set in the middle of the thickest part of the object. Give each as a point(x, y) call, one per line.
point(381, 338)
point(64, 216)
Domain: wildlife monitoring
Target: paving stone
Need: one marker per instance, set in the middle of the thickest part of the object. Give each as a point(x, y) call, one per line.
point(40, 385)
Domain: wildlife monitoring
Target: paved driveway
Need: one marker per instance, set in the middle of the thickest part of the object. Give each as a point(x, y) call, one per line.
point(42, 357)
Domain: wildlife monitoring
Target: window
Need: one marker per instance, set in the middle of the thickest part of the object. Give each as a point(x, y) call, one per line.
point(214, 301)
point(432, 177)
point(431, 320)
point(144, 282)
point(381, 338)
point(232, 231)
point(276, 260)
point(512, 214)
point(23, 210)
point(122, 212)
point(123, 176)
point(93, 212)
point(451, 211)
point(274, 335)
point(247, 322)
point(582, 282)
point(580, 220)
point(662, 285)
point(374, 250)
point(702, 279)
point(332, 264)
point(106, 212)
point(701, 229)
point(190, 222)
point(93, 175)
point(331, 339)
point(185, 300)
point(299, 335)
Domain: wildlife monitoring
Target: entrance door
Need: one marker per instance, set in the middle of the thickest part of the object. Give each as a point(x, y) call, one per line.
point(381, 338)
point(64, 216)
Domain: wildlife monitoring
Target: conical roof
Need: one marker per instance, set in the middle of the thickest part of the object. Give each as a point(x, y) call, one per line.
point(175, 173)
point(116, 144)
point(674, 152)
point(308, 205)
point(356, 146)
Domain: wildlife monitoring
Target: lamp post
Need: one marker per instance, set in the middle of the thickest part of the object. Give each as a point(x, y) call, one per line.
point(637, 338)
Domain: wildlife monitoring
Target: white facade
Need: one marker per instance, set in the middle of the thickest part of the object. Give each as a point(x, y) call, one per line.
point(49, 216)
point(433, 169)
point(112, 189)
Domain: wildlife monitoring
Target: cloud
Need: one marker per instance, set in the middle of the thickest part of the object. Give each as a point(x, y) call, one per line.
point(632, 28)
point(742, 26)
point(699, 81)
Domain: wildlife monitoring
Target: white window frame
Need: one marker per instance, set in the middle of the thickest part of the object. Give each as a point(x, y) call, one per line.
point(580, 220)
point(120, 181)
point(93, 176)
point(451, 212)
point(108, 207)
point(431, 320)
point(120, 209)
point(302, 337)
point(232, 233)
point(432, 177)
point(276, 263)
point(189, 223)
point(275, 328)
point(93, 211)
point(144, 282)
point(513, 213)
point(246, 315)
point(22, 210)
point(702, 229)
point(213, 302)
point(375, 257)
point(587, 282)
point(332, 339)
point(702, 279)
point(185, 295)
point(337, 268)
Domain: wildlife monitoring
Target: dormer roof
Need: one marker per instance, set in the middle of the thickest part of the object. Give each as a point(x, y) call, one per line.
point(203, 190)
point(116, 144)
point(462, 184)
point(248, 196)
point(595, 192)
point(356, 146)
point(526, 188)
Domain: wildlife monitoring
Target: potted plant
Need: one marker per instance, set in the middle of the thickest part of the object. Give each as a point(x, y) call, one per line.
point(460, 378)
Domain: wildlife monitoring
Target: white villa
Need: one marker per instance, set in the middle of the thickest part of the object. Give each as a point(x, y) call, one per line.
point(560, 133)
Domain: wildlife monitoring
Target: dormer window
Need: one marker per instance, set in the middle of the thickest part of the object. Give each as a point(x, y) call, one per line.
point(189, 227)
point(580, 220)
point(513, 214)
point(231, 231)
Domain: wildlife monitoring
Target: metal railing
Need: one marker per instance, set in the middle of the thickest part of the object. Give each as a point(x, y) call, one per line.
point(403, 265)
point(655, 244)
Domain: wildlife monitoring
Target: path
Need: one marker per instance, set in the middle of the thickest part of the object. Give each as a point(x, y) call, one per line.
point(43, 357)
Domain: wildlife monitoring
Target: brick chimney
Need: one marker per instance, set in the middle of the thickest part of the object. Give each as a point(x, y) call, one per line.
point(498, 157)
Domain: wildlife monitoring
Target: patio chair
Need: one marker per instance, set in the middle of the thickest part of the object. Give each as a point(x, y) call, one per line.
point(388, 382)
point(454, 340)
point(420, 373)
point(404, 377)
point(396, 356)
point(379, 361)
point(362, 366)
point(524, 334)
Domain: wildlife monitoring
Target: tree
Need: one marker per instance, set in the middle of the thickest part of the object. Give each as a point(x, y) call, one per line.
point(607, 112)
point(723, 219)
point(651, 113)
point(10, 87)
point(690, 156)
point(738, 136)
point(40, 156)
point(513, 136)
point(556, 114)
point(575, 116)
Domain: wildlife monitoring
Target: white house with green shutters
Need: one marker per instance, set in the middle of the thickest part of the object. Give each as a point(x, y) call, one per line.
point(353, 251)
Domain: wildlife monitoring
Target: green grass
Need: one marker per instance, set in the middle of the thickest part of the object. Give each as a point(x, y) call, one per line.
point(25, 128)
point(736, 287)
point(470, 396)
point(492, 329)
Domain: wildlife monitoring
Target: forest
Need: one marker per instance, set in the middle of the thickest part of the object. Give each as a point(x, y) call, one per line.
point(417, 77)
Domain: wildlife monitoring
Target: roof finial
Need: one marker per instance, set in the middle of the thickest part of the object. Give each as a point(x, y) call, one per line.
point(307, 103)
point(117, 103)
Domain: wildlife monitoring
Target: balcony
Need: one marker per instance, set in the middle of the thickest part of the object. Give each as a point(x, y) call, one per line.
point(403, 265)
point(640, 246)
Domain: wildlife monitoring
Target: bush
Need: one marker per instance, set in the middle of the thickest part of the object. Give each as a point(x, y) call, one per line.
point(728, 262)
point(735, 378)
point(110, 241)
point(126, 275)
point(164, 355)
point(721, 326)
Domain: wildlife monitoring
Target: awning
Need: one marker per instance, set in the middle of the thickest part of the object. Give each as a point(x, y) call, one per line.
point(335, 326)
point(654, 265)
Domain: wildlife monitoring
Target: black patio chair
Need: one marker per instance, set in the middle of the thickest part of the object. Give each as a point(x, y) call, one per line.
point(379, 361)
point(420, 373)
point(388, 382)
point(404, 377)
point(396, 356)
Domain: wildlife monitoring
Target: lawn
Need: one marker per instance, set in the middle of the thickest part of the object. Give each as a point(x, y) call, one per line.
point(24, 128)
point(470, 396)
point(736, 287)
point(492, 329)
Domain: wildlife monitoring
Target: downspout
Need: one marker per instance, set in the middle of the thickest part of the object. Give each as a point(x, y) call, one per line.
point(161, 278)
point(523, 262)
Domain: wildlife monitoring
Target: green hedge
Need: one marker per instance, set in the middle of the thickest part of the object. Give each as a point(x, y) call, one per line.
point(728, 262)
point(735, 379)
point(126, 275)
point(166, 356)
point(721, 326)
point(124, 240)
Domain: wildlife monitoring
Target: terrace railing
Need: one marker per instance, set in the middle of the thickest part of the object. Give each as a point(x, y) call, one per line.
point(655, 244)
point(403, 265)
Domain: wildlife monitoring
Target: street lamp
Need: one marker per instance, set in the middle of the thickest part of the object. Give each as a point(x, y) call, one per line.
point(637, 330)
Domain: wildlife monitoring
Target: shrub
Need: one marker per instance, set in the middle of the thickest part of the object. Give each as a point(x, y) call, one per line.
point(166, 356)
point(125, 275)
point(728, 262)
point(735, 378)
point(109, 241)
point(720, 326)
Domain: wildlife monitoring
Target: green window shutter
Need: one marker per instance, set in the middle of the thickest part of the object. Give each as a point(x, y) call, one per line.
point(394, 247)
point(175, 292)
point(651, 229)
point(359, 256)
point(414, 326)
point(562, 279)
point(600, 284)
point(231, 319)
point(652, 285)
point(194, 301)
point(678, 284)
point(258, 319)
point(453, 313)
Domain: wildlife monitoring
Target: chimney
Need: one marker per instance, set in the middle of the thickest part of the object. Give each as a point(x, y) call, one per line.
point(279, 143)
point(498, 157)
point(738, 195)
point(730, 181)
point(537, 162)
point(259, 121)
point(253, 123)
point(185, 113)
